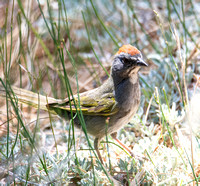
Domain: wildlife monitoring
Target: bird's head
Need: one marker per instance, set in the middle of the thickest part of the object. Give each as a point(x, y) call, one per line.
point(128, 60)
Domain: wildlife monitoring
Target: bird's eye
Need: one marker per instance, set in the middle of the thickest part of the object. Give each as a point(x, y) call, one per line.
point(127, 61)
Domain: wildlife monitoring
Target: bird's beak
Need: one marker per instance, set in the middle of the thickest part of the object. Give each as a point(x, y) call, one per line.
point(141, 62)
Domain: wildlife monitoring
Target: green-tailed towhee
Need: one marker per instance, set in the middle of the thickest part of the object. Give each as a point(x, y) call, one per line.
point(107, 108)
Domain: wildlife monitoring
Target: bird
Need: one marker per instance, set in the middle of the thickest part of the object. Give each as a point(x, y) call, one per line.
point(106, 108)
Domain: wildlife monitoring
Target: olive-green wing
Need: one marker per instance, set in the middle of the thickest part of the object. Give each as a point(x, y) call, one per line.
point(105, 106)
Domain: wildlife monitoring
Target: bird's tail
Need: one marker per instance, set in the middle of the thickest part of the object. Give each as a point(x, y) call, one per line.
point(26, 97)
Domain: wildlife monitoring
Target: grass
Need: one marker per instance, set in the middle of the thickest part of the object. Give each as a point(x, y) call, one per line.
point(58, 48)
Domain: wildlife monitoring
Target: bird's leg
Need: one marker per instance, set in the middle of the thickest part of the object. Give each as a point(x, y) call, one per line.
point(96, 147)
point(139, 157)
point(114, 136)
point(112, 179)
